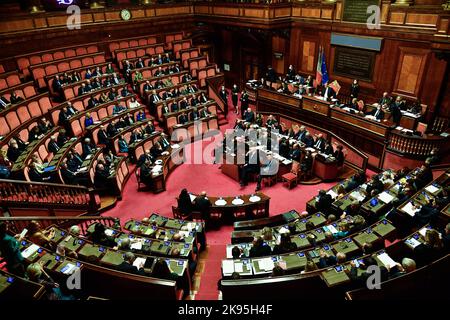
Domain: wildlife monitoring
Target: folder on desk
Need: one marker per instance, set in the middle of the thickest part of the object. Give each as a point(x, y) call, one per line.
point(386, 260)
point(137, 263)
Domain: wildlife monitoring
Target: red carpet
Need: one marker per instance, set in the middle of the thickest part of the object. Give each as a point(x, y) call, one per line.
point(199, 177)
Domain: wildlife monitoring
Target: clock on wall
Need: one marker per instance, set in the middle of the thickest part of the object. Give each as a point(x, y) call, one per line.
point(125, 14)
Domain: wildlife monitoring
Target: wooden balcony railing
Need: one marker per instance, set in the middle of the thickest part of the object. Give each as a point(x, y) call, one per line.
point(22, 194)
point(416, 146)
point(17, 224)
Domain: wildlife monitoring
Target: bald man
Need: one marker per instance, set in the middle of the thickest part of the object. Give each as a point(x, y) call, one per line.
point(203, 205)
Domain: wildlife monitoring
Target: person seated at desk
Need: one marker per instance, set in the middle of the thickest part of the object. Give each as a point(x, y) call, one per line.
point(39, 236)
point(82, 89)
point(99, 237)
point(149, 128)
point(323, 202)
point(163, 141)
point(96, 84)
point(123, 145)
point(146, 156)
point(326, 260)
point(165, 109)
point(362, 279)
point(194, 101)
point(295, 154)
point(376, 185)
point(5, 165)
point(300, 91)
point(34, 134)
point(204, 112)
point(271, 122)
point(118, 109)
point(103, 98)
point(339, 156)
point(162, 271)
point(14, 99)
point(183, 118)
point(88, 87)
point(44, 125)
point(184, 104)
point(258, 120)
point(166, 58)
point(88, 120)
point(285, 246)
point(186, 78)
point(72, 177)
point(111, 129)
point(377, 113)
point(146, 174)
point(194, 115)
point(88, 147)
point(431, 249)
point(353, 105)
point(306, 164)
point(308, 140)
point(102, 136)
point(124, 93)
point(284, 88)
point(141, 116)
point(74, 161)
point(428, 213)
point(203, 205)
point(328, 149)
point(319, 143)
point(156, 150)
point(259, 248)
point(101, 176)
point(112, 95)
point(128, 267)
point(52, 145)
point(92, 102)
point(184, 203)
point(249, 115)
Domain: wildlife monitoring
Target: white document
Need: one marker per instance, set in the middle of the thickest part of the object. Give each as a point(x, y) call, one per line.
point(357, 196)
point(157, 168)
point(410, 209)
point(136, 245)
point(386, 260)
point(332, 194)
point(385, 197)
point(266, 264)
point(109, 232)
point(432, 189)
point(227, 267)
point(412, 242)
point(23, 233)
point(229, 254)
point(238, 267)
point(30, 250)
point(192, 197)
point(138, 262)
point(332, 229)
point(69, 268)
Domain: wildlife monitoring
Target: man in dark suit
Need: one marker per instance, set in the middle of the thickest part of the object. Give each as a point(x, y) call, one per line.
point(194, 101)
point(111, 129)
point(146, 156)
point(295, 154)
point(57, 85)
point(324, 201)
point(52, 145)
point(112, 95)
point(249, 116)
point(320, 142)
point(153, 99)
point(378, 113)
point(135, 136)
point(184, 104)
point(186, 78)
point(361, 279)
point(102, 136)
point(195, 115)
point(165, 109)
point(101, 176)
point(82, 89)
point(204, 113)
point(328, 148)
point(125, 92)
point(308, 140)
point(88, 87)
point(163, 141)
point(139, 63)
point(203, 205)
point(271, 76)
point(385, 100)
point(174, 106)
point(396, 113)
point(35, 175)
point(63, 118)
point(13, 152)
point(147, 86)
point(290, 75)
point(156, 150)
point(87, 147)
point(260, 248)
point(183, 119)
point(92, 102)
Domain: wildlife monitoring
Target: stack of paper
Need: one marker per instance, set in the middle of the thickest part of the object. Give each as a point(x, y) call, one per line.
point(136, 245)
point(386, 260)
point(410, 209)
point(266, 264)
point(227, 267)
point(432, 189)
point(139, 262)
point(30, 250)
point(385, 197)
point(238, 267)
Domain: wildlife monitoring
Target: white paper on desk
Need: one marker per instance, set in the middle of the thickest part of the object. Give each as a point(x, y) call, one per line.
point(413, 242)
point(138, 262)
point(30, 250)
point(385, 197)
point(69, 268)
point(136, 245)
point(283, 230)
point(88, 156)
point(386, 260)
point(310, 149)
point(266, 264)
point(227, 266)
point(332, 194)
point(228, 249)
point(157, 168)
point(432, 189)
point(332, 229)
point(239, 267)
point(192, 197)
point(286, 162)
point(357, 196)
point(109, 232)
point(410, 209)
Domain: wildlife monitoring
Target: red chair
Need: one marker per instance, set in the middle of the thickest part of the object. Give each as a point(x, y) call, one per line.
point(291, 178)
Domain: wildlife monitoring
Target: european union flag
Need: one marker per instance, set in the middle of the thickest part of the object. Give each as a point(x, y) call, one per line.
point(324, 69)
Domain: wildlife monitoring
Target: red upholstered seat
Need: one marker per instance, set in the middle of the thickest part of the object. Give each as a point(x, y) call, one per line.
point(69, 53)
point(81, 51)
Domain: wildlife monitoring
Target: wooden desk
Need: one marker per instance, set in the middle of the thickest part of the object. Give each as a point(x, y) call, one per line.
point(327, 171)
point(277, 220)
point(315, 104)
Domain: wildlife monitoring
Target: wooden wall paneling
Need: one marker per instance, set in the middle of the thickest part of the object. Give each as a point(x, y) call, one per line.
point(279, 46)
point(411, 65)
point(308, 55)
